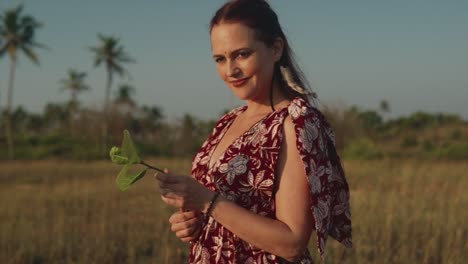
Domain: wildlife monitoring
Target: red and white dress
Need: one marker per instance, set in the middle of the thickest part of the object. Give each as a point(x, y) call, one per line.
point(245, 174)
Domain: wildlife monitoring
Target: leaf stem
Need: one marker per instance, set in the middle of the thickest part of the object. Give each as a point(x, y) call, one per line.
point(151, 167)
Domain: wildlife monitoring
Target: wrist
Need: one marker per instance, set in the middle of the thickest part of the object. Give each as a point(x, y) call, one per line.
point(209, 205)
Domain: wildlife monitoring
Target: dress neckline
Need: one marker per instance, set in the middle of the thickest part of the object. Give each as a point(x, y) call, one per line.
point(241, 136)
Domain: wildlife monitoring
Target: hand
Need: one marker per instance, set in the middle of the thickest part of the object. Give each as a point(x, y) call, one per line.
point(186, 225)
point(183, 191)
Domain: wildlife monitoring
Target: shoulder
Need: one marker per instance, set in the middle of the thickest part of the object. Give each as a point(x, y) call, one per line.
point(300, 108)
point(308, 123)
point(303, 114)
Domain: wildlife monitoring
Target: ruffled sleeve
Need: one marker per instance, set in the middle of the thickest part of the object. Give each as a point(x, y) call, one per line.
point(329, 192)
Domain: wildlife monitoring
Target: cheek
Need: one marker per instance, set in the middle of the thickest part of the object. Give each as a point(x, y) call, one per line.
point(262, 70)
point(250, 67)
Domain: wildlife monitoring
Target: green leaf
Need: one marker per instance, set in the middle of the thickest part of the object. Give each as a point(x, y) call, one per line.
point(128, 149)
point(116, 156)
point(125, 180)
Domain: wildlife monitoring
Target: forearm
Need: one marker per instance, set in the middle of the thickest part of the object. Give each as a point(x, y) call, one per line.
point(265, 233)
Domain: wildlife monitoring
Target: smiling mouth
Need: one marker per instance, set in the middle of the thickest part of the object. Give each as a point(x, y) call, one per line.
point(240, 82)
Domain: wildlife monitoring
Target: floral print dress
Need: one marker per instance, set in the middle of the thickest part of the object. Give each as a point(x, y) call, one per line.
point(245, 174)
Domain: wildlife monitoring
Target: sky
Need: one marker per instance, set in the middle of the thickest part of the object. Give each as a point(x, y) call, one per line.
point(412, 53)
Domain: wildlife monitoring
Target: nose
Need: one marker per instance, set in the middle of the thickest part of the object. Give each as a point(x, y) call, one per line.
point(233, 69)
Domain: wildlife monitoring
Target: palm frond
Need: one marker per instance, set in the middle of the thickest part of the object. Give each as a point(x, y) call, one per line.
point(3, 49)
point(18, 33)
point(30, 54)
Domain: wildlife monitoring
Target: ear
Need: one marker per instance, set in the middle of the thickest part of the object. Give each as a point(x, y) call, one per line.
point(278, 46)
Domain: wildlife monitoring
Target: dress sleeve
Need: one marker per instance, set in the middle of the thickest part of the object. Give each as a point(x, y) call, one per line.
point(329, 191)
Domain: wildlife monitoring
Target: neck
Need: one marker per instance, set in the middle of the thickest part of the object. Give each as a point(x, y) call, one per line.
point(262, 104)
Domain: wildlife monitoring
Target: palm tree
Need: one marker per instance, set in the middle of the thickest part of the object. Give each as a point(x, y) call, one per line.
point(1, 53)
point(18, 33)
point(124, 95)
point(112, 55)
point(75, 84)
point(384, 106)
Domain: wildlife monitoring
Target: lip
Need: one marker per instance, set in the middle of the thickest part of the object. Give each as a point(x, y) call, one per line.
point(240, 82)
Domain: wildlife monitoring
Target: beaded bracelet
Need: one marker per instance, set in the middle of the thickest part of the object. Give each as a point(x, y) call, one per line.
point(211, 206)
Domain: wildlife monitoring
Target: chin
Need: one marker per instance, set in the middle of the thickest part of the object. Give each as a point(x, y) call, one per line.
point(242, 97)
point(243, 93)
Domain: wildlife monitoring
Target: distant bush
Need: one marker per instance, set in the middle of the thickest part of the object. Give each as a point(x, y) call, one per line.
point(427, 145)
point(363, 149)
point(370, 119)
point(456, 134)
point(409, 142)
point(454, 151)
point(421, 120)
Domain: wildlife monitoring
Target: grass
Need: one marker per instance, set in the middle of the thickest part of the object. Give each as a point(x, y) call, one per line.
point(72, 212)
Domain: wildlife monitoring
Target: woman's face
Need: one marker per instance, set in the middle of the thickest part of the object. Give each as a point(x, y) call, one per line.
point(243, 62)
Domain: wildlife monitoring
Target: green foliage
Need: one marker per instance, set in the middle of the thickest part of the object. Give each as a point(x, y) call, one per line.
point(126, 155)
point(454, 151)
point(428, 145)
point(409, 142)
point(456, 134)
point(49, 134)
point(116, 157)
point(421, 120)
point(125, 179)
point(370, 119)
point(363, 149)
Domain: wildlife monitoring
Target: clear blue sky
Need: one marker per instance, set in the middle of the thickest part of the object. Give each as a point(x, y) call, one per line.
point(413, 53)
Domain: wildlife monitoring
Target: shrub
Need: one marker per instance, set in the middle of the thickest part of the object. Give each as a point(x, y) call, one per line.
point(362, 149)
point(427, 145)
point(456, 134)
point(454, 151)
point(409, 141)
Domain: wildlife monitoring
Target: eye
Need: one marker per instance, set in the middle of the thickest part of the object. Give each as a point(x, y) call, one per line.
point(219, 59)
point(243, 54)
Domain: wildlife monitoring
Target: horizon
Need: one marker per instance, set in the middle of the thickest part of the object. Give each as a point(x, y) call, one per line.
point(412, 54)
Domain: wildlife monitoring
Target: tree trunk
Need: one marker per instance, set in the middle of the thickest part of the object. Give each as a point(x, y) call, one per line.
point(8, 132)
point(72, 112)
point(105, 124)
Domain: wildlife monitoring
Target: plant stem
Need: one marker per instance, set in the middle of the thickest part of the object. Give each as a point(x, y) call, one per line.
point(151, 167)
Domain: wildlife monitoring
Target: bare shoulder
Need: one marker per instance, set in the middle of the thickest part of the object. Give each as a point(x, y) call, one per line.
point(289, 132)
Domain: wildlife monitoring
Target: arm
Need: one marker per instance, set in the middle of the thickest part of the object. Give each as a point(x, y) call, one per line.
point(288, 235)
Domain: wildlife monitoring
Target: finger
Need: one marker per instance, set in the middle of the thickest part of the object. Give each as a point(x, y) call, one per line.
point(178, 217)
point(173, 192)
point(168, 178)
point(188, 239)
point(172, 201)
point(195, 235)
point(171, 195)
point(189, 224)
point(185, 232)
point(180, 189)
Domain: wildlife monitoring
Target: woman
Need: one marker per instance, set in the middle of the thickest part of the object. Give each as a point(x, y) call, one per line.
point(269, 174)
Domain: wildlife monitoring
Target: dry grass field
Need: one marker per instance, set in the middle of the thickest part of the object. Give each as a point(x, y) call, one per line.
point(72, 212)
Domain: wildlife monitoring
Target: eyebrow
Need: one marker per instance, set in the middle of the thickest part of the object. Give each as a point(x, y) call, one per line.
point(234, 52)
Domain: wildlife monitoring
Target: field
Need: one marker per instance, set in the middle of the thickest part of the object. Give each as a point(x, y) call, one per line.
point(72, 212)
